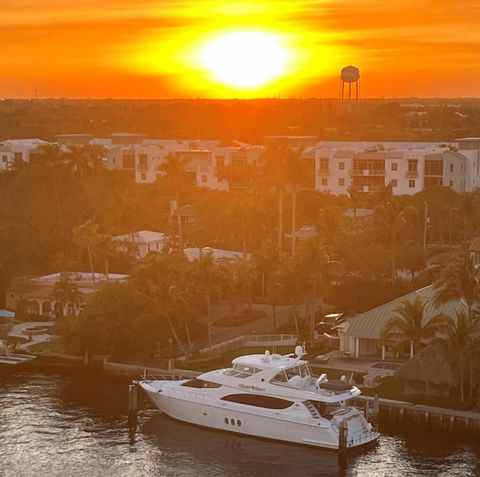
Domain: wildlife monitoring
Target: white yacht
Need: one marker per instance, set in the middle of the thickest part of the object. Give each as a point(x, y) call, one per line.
point(269, 396)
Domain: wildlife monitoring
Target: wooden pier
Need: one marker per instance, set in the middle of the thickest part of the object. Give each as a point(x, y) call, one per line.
point(417, 415)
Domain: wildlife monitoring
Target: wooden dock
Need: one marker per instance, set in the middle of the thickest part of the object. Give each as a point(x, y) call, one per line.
point(418, 415)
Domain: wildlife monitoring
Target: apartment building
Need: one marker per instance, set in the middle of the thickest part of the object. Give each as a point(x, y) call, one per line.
point(18, 149)
point(407, 167)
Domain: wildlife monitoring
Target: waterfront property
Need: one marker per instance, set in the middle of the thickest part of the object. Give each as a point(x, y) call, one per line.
point(361, 335)
point(36, 295)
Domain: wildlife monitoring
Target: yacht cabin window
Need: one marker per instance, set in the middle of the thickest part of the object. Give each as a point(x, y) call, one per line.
point(300, 371)
point(199, 383)
point(241, 371)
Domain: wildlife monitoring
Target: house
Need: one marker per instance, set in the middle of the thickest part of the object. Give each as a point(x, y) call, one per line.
point(218, 254)
point(35, 295)
point(361, 335)
point(142, 242)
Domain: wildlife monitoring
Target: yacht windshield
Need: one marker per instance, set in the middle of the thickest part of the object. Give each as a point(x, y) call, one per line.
point(241, 371)
point(291, 375)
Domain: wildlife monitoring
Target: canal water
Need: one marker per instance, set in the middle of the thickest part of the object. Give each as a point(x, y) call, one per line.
point(59, 426)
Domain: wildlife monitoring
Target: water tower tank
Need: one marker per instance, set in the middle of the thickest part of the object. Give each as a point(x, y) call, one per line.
point(350, 74)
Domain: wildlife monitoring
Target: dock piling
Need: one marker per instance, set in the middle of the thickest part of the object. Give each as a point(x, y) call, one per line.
point(342, 444)
point(132, 405)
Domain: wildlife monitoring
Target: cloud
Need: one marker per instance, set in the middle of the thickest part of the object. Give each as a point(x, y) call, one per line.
point(67, 41)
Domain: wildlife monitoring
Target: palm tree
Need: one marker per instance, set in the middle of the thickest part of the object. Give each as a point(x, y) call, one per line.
point(206, 279)
point(460, 280)
point(274, 176)
point(105, 249)
point(77, 160)
point(393, 220)
point(317, 266)
point(157, 280)
point(177, 179)
point(411, 326)
point(460, 339)
point(95, 154)
point(53, 156)
point(87, 237)
point(65, 292)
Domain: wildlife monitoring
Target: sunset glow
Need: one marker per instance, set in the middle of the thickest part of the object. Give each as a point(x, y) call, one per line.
point(245, 59)
point(193, 49)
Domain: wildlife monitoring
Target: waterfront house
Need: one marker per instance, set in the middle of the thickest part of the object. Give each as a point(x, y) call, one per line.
point(35, 295)
point(361, 335)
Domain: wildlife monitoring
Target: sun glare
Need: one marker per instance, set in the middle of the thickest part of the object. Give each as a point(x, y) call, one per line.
point(245, 59)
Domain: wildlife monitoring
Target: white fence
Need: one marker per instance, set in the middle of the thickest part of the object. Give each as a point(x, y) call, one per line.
point(250, 341)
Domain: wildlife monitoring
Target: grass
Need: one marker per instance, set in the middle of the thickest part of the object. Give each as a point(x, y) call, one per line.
point(55, 346)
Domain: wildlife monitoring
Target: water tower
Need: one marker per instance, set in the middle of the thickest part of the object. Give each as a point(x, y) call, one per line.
point(350, 75)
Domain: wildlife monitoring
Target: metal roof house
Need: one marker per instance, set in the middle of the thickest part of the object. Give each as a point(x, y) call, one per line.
point(361, 335)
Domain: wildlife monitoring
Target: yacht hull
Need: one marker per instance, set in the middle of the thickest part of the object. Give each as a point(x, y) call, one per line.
point(215, 414)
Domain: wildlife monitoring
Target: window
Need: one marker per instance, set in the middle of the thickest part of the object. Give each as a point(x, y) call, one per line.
point(450, 183)
point(199, 383)
point(232, 422)
point(394, 182)
point(341, 166)
point(143, 176)
point(394, 166)
point(324, 181)
point(226, 420)
point(204, 178)
point(341, 181)
point(451, 167)
point(241, 371)
point(433, 167)
point(411, 183)
point(239, 423)
point(256, 400)
point(324, 164)
point(4, 158)
point(412, 165)
point(220, 162)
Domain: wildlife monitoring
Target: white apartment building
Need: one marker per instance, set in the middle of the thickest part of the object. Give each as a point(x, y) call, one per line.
point(408, 167)
point(18, 149)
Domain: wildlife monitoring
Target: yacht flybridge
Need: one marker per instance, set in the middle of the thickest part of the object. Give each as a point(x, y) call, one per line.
point(269, 396)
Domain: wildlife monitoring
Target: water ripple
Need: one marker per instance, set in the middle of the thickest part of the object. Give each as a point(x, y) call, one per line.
point(59, 426)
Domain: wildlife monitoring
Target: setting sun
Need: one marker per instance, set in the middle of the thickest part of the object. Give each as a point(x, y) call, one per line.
point(245, 59)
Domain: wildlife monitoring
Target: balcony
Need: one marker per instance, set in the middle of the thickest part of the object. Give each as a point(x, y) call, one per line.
point(412, 174)
point(323, 172)
point(368, 172)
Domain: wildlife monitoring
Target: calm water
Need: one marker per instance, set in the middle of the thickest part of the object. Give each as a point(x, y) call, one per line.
point(58, 426)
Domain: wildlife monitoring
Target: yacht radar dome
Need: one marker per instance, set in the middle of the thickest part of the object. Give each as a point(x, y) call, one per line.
point(299, 351)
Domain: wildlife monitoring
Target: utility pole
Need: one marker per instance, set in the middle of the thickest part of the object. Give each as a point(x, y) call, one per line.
point(425, 224)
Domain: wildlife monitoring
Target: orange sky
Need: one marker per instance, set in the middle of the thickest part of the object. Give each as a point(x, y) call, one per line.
point(147, 48)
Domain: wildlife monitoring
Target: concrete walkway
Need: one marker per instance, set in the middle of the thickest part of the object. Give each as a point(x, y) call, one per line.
point(18, 331)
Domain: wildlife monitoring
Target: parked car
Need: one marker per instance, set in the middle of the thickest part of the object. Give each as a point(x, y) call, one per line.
point(329, 322)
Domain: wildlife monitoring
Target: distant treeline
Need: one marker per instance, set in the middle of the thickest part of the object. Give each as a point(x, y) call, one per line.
point(246, 120)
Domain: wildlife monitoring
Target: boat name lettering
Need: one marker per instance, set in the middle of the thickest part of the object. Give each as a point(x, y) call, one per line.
point(256, 388)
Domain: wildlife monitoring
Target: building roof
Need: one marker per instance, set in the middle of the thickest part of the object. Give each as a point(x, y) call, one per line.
point(370, 324)
point(142, 236)
point(193, 253)
point(359, 213)
point(7, 314)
